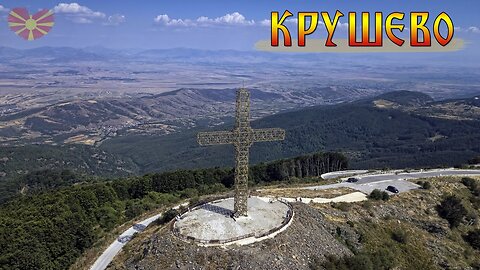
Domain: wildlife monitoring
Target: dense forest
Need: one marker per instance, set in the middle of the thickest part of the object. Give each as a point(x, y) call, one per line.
point(18, 160)
point(53, 224)
point(371, 137)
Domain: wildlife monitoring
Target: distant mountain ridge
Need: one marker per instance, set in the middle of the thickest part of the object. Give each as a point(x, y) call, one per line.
point(99, 53)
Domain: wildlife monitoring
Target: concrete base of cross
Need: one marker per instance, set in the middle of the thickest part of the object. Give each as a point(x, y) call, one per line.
point(215, 223)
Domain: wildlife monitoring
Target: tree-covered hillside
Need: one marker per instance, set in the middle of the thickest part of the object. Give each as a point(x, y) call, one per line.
point(50, 229)
point(17, 163)
point(369, 136)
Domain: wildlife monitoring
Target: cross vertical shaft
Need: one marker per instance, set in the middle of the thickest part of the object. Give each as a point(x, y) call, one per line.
point(243, 133)
point(242, 137)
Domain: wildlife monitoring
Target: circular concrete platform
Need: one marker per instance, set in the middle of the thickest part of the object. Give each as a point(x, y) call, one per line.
point(212, 224)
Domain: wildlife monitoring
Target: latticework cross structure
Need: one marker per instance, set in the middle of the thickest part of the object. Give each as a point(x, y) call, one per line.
point(242, 137)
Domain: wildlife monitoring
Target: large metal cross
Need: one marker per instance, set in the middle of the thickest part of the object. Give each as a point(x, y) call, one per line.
point(242, 137)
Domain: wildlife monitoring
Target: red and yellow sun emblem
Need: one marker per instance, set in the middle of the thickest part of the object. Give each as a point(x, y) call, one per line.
point(30, 27)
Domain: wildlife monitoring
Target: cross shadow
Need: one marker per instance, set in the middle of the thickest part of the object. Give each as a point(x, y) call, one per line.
point(217, 209)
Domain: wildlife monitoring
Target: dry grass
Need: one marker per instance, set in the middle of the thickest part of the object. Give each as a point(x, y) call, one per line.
point(317, 181)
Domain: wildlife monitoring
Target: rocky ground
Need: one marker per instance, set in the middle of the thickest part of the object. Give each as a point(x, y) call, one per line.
point(369, 227)
point(308, 238)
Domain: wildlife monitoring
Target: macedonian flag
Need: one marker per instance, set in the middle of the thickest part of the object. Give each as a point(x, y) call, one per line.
point(30, 27)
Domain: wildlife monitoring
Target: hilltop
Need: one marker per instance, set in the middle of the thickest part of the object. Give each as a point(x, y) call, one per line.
point(307, 238)
point(406, 232)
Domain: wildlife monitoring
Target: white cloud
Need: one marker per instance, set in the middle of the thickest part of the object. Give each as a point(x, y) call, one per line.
point(228, 19)
point(342, 25)
point(292, 21)
point(265, 22)
point(268, 22)
point(474, 29)
point(164, 19)
point(78, 13)
point(116, 19)
point(203, 21)
point(3, 9)
point(471, 29)
point(75, 8)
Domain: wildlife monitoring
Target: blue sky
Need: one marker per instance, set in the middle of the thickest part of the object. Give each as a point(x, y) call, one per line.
point(203, 24)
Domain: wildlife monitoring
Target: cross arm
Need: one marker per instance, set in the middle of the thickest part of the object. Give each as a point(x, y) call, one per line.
point(215, 138)
point(268, 134)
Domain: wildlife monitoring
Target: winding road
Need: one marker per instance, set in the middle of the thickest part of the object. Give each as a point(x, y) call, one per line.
point(107, 256)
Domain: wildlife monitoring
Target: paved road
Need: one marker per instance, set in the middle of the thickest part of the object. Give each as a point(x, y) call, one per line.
point(368, 182)
point(107, 256)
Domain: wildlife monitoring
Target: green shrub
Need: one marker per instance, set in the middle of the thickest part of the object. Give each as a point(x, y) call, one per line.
point(189, 193)
point(400, 236)
point(167, 216)
point(380, 259)
point(367, 205)
point(452, 209)
point(473, 238)
point(377, 194)
point(427, 185)
point(193, 201)
point(360, 262)
point(472, 185)
point(475, 202)
point(475, 160)
point(424, 184)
